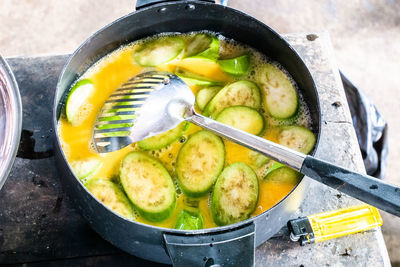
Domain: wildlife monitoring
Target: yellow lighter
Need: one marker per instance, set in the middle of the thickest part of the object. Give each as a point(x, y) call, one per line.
point(332, 224)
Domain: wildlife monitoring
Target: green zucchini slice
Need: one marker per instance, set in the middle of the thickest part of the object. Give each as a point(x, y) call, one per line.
point(241, 93)
point(202, 45)
point(280, 173)
point(163, 139)
point(204, 96)
point(155, 52)
point(235, 194)
point(280, 96)
point(235, 66)
point(257, 159)
point(111, 195)
point(83, 169)
point(199, 82)
point(275, 165)
point(192, 79)
point(199, 162)
point(148, 185)
point(77, 97)
point(296, 137)
point(242, 118)
point(188, 220)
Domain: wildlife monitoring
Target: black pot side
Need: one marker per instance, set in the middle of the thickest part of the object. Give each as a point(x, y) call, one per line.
point(232, 244)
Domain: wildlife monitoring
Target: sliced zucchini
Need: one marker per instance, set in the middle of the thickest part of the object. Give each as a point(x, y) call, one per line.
point(192, 79)
point(188, 220)
point(296, 137)
point(204, 96)
point(202, 45)
point(199, 162)
point(77, 97)
point(163, 139)
point(258, 159)
point(235, 194)
point(85, 168)
point(111, 195)
point(200, 82)
point(275, 165)
point(241, 93)
point(242, 118)
point(281, 173)
point(235, 66)
point(203, 67)
point(154, 52)
point(148, 185)
point(280, 96)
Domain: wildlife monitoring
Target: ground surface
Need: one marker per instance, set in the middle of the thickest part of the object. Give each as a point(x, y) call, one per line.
point(365, 35)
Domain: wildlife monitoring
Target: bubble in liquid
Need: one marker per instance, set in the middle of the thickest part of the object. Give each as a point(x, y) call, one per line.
point(209, 199)
point(91, 145)
point(177, 188)
point(135, 214)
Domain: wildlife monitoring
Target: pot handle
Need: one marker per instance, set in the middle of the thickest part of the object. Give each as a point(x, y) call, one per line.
point(224, 248)
point(146, 3)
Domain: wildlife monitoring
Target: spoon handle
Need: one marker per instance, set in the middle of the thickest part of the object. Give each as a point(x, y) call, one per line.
point(363, 187)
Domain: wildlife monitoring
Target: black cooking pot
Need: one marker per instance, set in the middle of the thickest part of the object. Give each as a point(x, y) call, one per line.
point(232, 244)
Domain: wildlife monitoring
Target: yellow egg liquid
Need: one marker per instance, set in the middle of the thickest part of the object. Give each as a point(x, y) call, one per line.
point(108, 74)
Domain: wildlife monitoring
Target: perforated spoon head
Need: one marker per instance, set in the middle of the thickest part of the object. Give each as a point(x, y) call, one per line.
point(148, 104)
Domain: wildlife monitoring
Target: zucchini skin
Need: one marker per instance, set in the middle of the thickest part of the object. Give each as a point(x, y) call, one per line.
point(280, 96)
point(232, 116)
point(83, 169)
point(126, 173)
point(281, 173)
point(118, 196)
point(188, 220)
point(164, 139)
point(198, 82)
point(143, 53)
point(186, 168)
point(223, 189)
point(204, 95)
point(193, 79)
point(235, 66)
point(70, 106)
point(207, 46)
point(297, 137)
point(234, 94)
point(258, 159)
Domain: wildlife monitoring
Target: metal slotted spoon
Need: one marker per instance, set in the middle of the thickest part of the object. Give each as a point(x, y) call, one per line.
point(154, 102)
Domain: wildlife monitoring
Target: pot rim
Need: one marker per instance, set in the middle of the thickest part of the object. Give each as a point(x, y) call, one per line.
point(171, 230)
